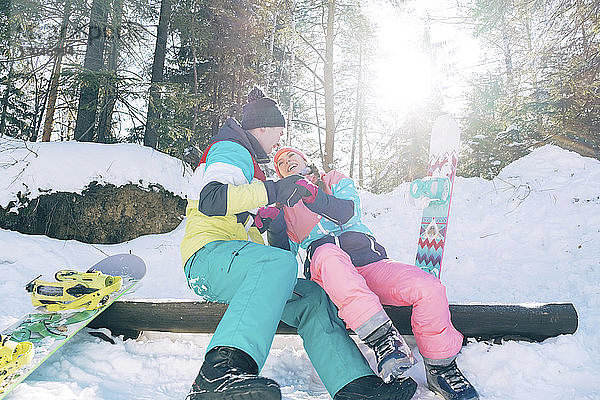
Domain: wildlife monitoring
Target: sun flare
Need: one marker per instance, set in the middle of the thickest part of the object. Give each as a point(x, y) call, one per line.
point(403, 80)
point(403, 72)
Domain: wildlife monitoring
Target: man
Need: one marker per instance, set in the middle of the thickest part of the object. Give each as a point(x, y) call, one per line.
point(225, 260)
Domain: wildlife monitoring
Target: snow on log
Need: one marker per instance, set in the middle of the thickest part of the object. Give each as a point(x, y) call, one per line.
point(533, 322)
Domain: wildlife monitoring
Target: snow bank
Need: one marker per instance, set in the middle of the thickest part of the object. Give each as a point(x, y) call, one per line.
point(36, 168)
point(530, 235)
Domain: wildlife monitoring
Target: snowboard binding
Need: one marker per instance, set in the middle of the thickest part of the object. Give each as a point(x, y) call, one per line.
point(435, 189)
point(73, 290)
point(13, 356)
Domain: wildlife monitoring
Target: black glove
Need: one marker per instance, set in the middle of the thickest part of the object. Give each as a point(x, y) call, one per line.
point(286, 191)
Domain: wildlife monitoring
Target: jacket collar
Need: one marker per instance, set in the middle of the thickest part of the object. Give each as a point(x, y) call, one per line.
point(233, 131)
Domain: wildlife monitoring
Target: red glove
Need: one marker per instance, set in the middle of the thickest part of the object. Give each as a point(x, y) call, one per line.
point(311, 187)
point(265, 216)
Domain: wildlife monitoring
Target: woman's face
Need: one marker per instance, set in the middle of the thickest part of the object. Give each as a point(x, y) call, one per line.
point(290, 163)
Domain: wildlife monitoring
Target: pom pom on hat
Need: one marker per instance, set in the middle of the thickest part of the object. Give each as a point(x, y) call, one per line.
point(261, 111)
point(255, 94)
point(284, 150)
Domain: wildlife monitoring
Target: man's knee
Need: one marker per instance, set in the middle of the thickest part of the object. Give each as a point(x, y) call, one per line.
point(313, 297)
point(283, 263)
point(310, 308)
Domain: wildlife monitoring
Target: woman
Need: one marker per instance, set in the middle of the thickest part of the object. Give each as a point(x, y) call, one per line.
point(344, 258)
point(225, 260)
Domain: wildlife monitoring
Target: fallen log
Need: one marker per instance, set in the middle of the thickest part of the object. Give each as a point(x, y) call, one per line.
point(532, 322)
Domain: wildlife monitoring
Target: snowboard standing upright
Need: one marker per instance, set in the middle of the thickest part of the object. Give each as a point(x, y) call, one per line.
point(46, 331)
point(437, 189)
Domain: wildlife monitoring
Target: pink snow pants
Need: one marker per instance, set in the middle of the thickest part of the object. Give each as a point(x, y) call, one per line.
point(359, 292)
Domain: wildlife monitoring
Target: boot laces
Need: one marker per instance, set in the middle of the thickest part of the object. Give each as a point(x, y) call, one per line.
point(451, 374)
point(232, 368)
point(387, 344)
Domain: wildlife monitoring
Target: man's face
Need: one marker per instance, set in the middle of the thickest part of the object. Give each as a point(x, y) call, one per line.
point(269, 137)
point(290, 163)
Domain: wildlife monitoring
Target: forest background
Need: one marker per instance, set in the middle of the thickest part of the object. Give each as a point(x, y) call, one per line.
point(166, 74)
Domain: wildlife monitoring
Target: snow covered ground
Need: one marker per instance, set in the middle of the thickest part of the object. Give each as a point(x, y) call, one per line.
point(530, 235)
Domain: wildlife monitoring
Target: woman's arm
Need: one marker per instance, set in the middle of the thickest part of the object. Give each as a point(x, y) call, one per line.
point(340, 206)
point(277, 232)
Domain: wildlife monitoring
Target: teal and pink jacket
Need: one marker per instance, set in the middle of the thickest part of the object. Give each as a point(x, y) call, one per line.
point(333, 221)
point(333, 217)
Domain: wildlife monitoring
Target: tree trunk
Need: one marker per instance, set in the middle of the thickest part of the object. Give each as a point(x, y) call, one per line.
point(480, 321)
point(151, 134)
point(213, 100)
point(217, 90)
point(88, 97)
point(195, 121)
point(328, 78)
point(360, 153)
point(271, 51)
point(53, 91)
point(318, 121)
point(508, 62)
point(9, 79)
point(5, 98)
point(195, 60)
point(40, 104)
point(292, 61)
point(110, 94)
point(375, 171)
point(357, 110)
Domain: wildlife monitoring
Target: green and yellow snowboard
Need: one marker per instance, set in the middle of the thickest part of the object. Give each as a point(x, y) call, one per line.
point(63, 307)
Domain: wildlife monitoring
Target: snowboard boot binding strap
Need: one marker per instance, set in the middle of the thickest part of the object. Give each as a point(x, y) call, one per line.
point(230, 374)
point(436, 189)
point(73, 290)
point(13, 356)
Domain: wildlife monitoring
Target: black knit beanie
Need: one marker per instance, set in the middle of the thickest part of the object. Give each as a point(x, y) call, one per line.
point(261, 111)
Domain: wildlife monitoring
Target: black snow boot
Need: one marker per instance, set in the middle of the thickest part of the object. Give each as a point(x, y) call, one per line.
point(449, 382)
point(230, 374)
point(393, 355)
point(372, 387)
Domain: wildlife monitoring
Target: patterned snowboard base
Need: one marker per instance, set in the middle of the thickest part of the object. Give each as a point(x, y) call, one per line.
point(443, 157)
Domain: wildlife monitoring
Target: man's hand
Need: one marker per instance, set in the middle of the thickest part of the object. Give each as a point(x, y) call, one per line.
point(286, 191)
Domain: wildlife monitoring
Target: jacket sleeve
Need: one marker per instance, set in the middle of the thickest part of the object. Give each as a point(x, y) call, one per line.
point(227, 187)
point(339, 207)
point(277, 233)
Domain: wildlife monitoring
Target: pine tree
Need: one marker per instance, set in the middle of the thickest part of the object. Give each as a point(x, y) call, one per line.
point(85, 127)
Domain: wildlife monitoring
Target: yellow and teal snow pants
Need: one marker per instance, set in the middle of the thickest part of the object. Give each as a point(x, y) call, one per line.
point(260, 285)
